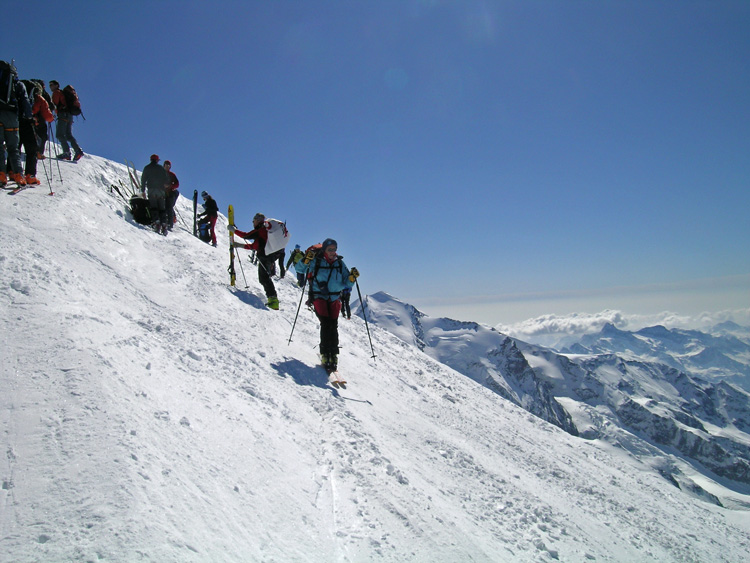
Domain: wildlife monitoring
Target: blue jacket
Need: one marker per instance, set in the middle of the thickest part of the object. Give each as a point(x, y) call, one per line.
point(329, 279)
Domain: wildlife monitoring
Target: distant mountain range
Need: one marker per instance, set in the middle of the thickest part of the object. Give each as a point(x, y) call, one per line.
point(676, 399)
point(722, 355)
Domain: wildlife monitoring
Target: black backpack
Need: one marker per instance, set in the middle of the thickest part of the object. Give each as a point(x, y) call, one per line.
point(72, 103)
point(140, 210)
point(8, 77)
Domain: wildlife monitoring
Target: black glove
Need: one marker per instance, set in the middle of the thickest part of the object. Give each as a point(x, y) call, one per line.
point(353, 275)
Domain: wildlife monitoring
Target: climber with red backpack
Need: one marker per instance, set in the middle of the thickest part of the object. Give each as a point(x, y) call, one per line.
point(67, 105)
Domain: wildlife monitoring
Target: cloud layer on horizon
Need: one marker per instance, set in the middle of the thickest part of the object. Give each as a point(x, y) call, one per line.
point(549, 329)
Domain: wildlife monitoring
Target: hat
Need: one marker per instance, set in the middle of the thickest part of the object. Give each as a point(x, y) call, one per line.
point(296, 246)
point(204, 194)
point(259, 217)
point(154, 158)
point(329, 242)
point(167, 162)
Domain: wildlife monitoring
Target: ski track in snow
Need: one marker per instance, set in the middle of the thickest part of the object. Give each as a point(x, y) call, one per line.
point(151, 413)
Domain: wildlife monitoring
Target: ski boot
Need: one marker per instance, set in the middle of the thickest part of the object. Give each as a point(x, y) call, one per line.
point(330, 362)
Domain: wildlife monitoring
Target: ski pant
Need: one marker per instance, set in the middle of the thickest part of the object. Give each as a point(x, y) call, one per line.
point(158, 206)
point(42, 136)
point(30, 144)
point(265, 267)
point(346, 311)
point(10, 140)
point(171, 200)
point(65, 133)
point(282, 254)
point(212, 227)
point(328, 315)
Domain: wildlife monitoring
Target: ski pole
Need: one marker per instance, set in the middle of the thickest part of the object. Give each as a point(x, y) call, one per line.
point(51, 146)
point(241, 269)
point(364, 315)
point(180, 216)
point(295, 316)
point(113, 187)
point(44, 167)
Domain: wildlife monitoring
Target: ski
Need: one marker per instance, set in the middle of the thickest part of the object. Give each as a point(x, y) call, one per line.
point(195, 213)
point(135, 174)
point(232, 274)
point(133, 177)
point(16, 190)
point(333, 377)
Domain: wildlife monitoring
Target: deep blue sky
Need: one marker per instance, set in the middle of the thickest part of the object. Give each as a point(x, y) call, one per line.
point(489, 161)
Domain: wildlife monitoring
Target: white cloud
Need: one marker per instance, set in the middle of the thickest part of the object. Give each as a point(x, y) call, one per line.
point(551, 329)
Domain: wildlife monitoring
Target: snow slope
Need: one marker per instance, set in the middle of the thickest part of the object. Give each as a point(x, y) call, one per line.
point(151, 413)
point(693, 432)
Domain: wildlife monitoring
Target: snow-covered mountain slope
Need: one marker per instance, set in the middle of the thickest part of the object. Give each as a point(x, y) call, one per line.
point(723, 356)
point(149, 412)
point(483, 354)
point(649, 409)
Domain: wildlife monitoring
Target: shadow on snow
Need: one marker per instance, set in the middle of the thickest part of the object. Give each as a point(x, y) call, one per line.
point(302, 374)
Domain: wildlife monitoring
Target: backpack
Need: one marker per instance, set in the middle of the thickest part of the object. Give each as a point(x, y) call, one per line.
point(318, 249)
point(278, 236)
point(25, 97)
point(72, 103)
point(204, 231)
point(139, 209)
point(8, 75)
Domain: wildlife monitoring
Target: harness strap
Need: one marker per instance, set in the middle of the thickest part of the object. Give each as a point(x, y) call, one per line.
point(313, 277)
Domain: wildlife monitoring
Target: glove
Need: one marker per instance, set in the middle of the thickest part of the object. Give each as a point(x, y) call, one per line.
point(231, 228)
point(309, 256)
point(353, 275)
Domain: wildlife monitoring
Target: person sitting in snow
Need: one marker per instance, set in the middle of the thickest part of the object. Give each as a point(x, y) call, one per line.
point(329, 276)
